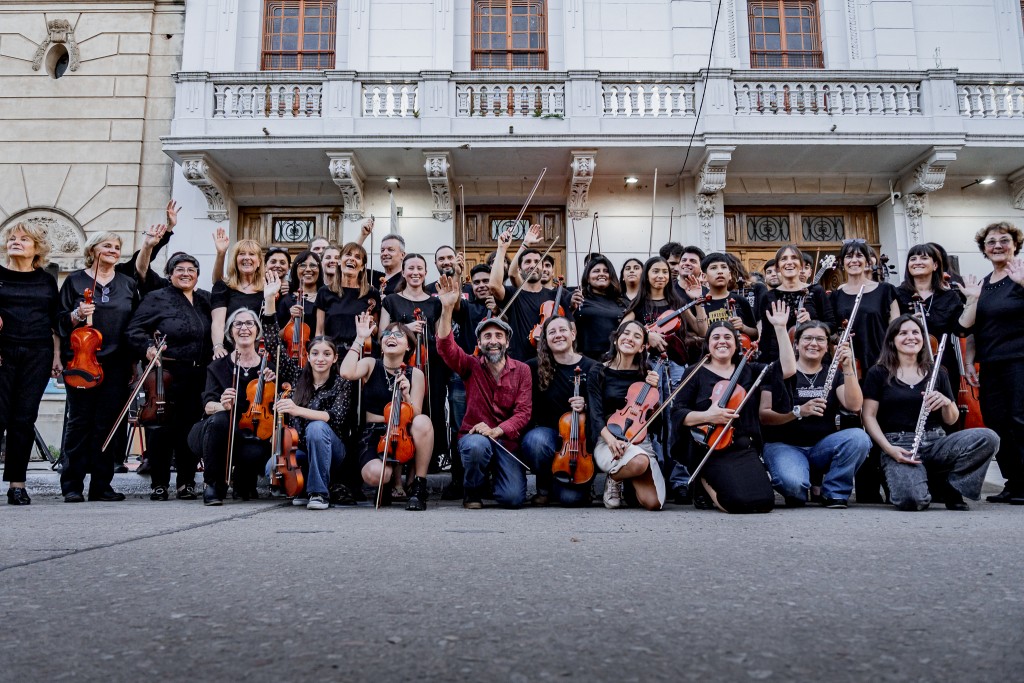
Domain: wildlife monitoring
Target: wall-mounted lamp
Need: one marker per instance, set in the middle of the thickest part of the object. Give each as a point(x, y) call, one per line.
point(392, 179)
point(979, 181)
point(631, 180)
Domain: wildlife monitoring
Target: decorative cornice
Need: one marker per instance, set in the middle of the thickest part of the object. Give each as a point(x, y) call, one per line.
point(930, 174)
point(58, 32)
point(348, 177)
point(583, 164)
point(198, 171)
point(712, 169)
point(437, 166)
point(1017, 188)
point(914, 206)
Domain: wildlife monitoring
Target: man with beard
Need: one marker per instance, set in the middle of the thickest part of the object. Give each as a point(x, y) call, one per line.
point(524, 313)
point(498, 406)
point(689, 264)
point(450, 263)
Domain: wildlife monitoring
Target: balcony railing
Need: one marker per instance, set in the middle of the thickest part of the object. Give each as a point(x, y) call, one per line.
point(390, 100)
point(245, 99)
point(985, 99)
point(666, 100)
point(786, 95)
point(510, 99)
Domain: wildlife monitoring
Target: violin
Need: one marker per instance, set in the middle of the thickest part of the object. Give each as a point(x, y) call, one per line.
point(368, 342)
point(259, 418)
point(548, 309)
point(670, 321)
point(730, 306)
point(84, 371)
point(396, 446)
point(573, 464)
point(154, 389)
point(287, 474)
point(967, 395)
point(727, 393)
point(296, 336)
point(417, 355)
point(629, 423)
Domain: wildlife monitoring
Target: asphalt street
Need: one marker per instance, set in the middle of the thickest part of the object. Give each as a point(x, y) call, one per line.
point(268, 592)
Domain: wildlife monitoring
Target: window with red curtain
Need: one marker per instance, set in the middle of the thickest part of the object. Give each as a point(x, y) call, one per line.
point(784, 34)
point(299, 34)
point(510, 34)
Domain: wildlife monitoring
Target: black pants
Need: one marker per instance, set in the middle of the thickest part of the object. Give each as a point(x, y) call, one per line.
point(739, 479)
point(1002, 407)
point(91, 414)
point(210, 439)
point(170, 440)
point(23, 377)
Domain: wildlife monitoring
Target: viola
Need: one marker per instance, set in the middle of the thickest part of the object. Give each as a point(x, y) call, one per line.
point(629, 423)
point(84, 371)
point(396, 446)
point(259, 418)
point(967, 395)
point(727, 393)
point(417, 356)
point(730, 305)
point(287, 474)
point(548, 309)
point(368, 342)
point(153, 410)
point(296, 336)
point(670, 321)
point(573, 464)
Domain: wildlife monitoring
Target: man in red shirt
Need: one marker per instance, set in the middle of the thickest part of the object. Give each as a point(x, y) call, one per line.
point(499, 402)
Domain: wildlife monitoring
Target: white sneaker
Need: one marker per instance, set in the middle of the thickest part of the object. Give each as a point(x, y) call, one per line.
point(317, 502)
point(612, 494)
point(299, 501)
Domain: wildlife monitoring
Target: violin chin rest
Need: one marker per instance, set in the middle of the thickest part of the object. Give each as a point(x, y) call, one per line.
point(80, 379)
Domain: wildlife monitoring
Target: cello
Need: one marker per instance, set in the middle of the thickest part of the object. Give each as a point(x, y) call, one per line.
point(629, 423)
point(548, 309)
point(84, 371)
point(573, 463)
point(287, 474)
point(296, 336)
point(396, 446)
point(967, 394)
point(259, 418)
point(727, 393)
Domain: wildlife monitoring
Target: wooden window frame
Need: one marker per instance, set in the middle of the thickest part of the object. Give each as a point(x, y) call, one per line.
point(483, 57)
point(784, 58)
point(272, 59)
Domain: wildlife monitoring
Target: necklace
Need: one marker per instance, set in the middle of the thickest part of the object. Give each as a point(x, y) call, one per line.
point(899, 373)
point(810, 380)
point(390, 375)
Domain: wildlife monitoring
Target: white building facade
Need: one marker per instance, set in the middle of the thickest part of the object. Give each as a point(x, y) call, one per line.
point(764, 121)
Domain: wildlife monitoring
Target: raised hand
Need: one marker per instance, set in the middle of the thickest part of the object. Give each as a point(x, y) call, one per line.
point(505, 238)
point(367, 228)
point(971, 288)
point(460, 265)
point(271, 284)
point(1015, 269)
point(533, 236)
point(365, 325)
point(448, 291)
point(221, 241)
point(779, 315)
point(153, 235)
point(172, 214)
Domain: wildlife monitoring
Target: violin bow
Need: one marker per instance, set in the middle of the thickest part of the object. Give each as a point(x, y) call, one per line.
point(509, 453)
point(721, 435)
point(575, 247)
point(462, 201)
point(671, 216)
point(228, 460)
point(529, 197)
point(654, 198)
point(160, 346)
point(675, 392)
point(526, 278)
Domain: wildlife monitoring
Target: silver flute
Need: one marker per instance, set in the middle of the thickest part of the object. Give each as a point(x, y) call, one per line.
point(830, 378)
point(922, 417)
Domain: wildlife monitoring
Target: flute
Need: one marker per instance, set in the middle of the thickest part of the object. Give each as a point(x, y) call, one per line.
point(922, 417)
point(833, 367)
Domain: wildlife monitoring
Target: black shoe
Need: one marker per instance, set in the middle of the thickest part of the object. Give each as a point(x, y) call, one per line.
point(794, 502)
point(108, 496)
point(834, 503)
point(340, 495)
point(210, 496)
point(187, 492)
point(681, 496)
point(452, 491)
point(958, 505)
point(159, 493)
point(121, 469)
point(1003, 496)
point(18, 497)
point(418, 495)
point(702, 502)
point(143, 467)
point(74, 497)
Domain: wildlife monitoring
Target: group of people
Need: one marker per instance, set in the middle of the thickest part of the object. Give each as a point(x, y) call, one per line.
point(683, 378)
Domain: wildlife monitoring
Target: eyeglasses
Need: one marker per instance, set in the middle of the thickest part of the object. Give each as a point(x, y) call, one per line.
point(309, 266)
point(184, 271)
point(854, 240)
point(814, 340)
point(1002, 242)
point(239, 324)
point(395, 332)
point(105, 295)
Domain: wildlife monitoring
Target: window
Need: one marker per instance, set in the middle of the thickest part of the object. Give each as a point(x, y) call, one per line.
point(784, 34)
point(510, 34)
point(299, 34)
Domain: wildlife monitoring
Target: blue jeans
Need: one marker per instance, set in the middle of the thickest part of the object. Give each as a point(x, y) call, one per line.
point(538, 451)
point(480, 455)
point(676, 475)
point(323, 450)
point(837, 455)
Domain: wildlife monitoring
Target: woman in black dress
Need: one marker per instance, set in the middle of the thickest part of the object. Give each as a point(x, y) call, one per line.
point(304, 281)
point(630, 276)
point(878, 306)
point(350, 293)
point(598, 307)
point(804, 303)
point(91, 412)
point(242, 289)
point(29, 345)
point(734, 478)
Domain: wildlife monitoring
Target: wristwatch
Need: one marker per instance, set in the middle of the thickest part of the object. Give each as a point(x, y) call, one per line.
point(796, 413)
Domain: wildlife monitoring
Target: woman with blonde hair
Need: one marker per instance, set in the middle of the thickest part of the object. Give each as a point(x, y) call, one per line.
point(348, 295)
point(29, 345)
point(243, 288)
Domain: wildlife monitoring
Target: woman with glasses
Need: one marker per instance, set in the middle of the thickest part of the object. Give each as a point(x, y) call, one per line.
point(804, 439)
point(378, 378)
point(91, 412)
point(242, 289)
point(182, 313)
point(304, 281)
point(994, 313)
point(209, 437)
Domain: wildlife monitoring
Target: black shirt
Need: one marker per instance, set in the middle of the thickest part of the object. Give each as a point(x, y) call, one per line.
point(596, 319)
point(187, 325)
point(340, 311)
point(942, 312)
point(999, 325)
point(871, 322)
point(899, 403)
point(28, 307)
point(717, 309)
point(111, 317)
point(696, 396)
point(606, 393)
point(796, 391)
point(390, 283)
point(284, 316)
point(815, 303)
point(551, 403)
point(464, 322)
point(403, 310)
point(524, 315)
point(222, 296)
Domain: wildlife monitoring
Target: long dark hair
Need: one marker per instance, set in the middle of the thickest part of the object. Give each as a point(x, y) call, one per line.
point(545, 358)
point(304, 385)
point(613, 352)
point(364, 274)
point(614, 289)
point(622, 271)
point(642, 305)
point(932, 253)
point(294, 281)
point(409, 257)
point(889, 358)
point(738, 352)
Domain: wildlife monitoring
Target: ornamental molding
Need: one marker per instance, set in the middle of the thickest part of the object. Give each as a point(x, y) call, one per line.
point(854, 30)
point(711, 178)
point(65, 235)
point(58, 32)
point(915, 206)
point(438, 165)
point(1017, 188)
point(929, 175)
point(347, 175)
point(706, 216)
point(201, 173)
point(584, 162)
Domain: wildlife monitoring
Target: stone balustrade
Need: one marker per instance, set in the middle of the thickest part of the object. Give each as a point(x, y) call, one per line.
point(257, 98)
point(507, 98)
point(666, 100)
point(383, 99)
point(780, 94)
point(984, 98)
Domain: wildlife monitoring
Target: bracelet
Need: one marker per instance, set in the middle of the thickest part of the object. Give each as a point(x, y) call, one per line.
point(352, 348)
point(218, 346)
point(74, 316)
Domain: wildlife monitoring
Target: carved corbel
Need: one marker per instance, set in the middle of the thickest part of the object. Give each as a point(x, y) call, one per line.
point(198, 171)
point(348, 177)
point(930, 174)
point(914, 206)
point(438, 165)
point(58, 32)
point(583, 164)
point(1017, 188)
point(706, 218)
point(711, 179)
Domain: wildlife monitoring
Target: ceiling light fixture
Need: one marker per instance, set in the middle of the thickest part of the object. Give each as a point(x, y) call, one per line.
point(631, 180)
point(392, 179)
point(979, 181)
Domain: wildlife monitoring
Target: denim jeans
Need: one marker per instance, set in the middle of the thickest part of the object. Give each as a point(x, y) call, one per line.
point(323, 451)
point(479, 457)
point(676, 475)
point(538, 451)
point(837, 455)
